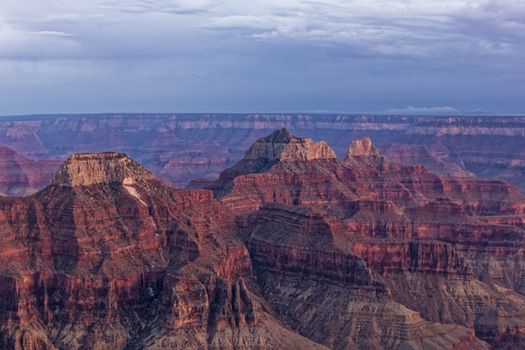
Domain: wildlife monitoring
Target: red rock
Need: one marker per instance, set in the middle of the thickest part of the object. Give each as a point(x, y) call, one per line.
point(297, 249)
point(327, 292)
point(409, 227)
point(108, 256)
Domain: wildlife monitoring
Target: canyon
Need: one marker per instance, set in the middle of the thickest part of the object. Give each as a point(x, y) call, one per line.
point(293, 245)
point(184, 147)
point(20, 176)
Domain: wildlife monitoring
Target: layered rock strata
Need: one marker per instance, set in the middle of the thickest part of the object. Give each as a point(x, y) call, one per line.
point(290, 248)
point(362, 148)
point(446, 247)
point(183, 147)
point(108, 257)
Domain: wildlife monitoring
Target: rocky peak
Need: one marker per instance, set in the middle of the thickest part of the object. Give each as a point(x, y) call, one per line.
point(362, 148)
point(86, 169)
point(282, 145)
point(282, 135)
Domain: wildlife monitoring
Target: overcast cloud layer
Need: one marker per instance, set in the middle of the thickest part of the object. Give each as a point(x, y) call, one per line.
point(391, 56)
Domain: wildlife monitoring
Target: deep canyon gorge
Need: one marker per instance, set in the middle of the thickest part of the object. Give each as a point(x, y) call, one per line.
point(262, 232)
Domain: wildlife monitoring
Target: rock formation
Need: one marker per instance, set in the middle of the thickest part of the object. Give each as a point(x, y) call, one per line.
point(108, 257)
point(290, 248)
point(435, 160)
point(100, 168)
point(448, 248)
point(281, 145)
point(184, 147)
point(362, 148)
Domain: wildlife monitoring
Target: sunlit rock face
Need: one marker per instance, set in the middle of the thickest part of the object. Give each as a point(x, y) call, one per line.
point(282, 145)
point(362, 148)
point(109, 257)
point(100, 168)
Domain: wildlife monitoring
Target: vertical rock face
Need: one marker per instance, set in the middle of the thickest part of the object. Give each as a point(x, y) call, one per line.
point(279, 146)
point(328, 293)
point(362, 148)
point(435, 159)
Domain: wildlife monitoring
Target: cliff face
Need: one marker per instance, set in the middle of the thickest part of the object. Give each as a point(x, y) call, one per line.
point(438, 245)
point(362, 148)
point(108, 257)
point(329, 293)
point(102, 168)
point(184, 147)
point(279, 146)
point(436, 159)
point(290, 248)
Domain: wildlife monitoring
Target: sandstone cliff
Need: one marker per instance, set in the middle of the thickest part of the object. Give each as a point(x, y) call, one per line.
point(101, 168)
point(108, 257)
point(435, 244)
point(282, 145)
point(291, 248)
point(362, 148)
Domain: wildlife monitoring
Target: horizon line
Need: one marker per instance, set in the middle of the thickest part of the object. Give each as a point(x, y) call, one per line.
point(331, 113)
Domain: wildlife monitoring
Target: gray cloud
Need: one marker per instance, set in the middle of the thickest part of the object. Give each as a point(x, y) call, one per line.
point(159, 6)
point(385, 28)
point(411, 28)
point(261, 55)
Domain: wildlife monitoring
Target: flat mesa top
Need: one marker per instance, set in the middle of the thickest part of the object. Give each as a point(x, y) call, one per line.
point(86, 169)
point(102, 155)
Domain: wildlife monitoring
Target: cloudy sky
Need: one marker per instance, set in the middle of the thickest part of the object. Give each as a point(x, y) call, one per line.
point(395, 56)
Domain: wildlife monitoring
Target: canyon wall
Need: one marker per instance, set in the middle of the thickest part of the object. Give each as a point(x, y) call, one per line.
point(289, 248)
point(450, 248)
point(182, 147)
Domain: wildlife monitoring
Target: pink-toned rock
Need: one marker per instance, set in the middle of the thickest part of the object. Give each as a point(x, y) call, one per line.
point(297, 249)
point(108, 257)
point(282, 145)
point(20, 176)
point(362, 148)
point(410, 227)
point(100, 168)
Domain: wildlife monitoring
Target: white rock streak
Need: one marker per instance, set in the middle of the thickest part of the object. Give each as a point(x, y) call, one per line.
point(128, 185)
